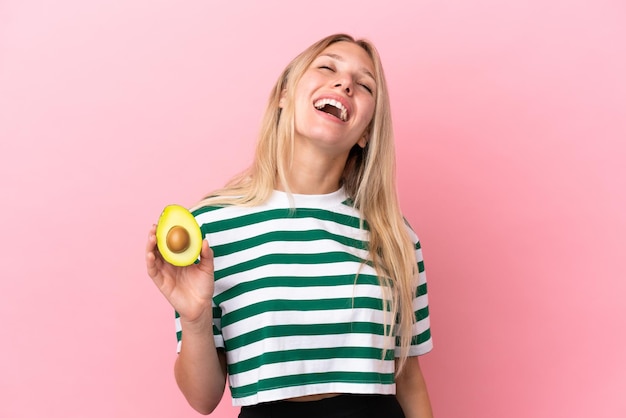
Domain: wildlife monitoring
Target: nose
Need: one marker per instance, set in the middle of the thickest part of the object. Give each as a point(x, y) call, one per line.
point(344, 84)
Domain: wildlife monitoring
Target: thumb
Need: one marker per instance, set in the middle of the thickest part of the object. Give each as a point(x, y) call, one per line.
point(206, 257)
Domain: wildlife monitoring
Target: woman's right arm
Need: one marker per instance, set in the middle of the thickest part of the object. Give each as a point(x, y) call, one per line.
point(200, 368)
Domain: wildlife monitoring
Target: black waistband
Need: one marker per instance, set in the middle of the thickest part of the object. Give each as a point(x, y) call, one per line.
point(341, 406)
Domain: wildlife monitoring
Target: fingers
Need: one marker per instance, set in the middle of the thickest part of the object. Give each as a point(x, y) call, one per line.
point(151, 253)
point(151, 244)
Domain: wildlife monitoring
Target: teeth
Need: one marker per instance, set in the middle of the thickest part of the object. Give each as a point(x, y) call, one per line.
point(323, 102)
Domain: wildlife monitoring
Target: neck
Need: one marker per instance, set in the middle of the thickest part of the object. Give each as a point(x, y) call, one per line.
point(314, 174)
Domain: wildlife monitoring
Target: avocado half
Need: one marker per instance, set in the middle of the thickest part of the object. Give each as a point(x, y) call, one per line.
point(178, 236)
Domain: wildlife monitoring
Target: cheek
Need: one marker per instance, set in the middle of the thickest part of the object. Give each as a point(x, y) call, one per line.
point(303, 91)
point(300, 108)
point(307, 83)
point(369, 113)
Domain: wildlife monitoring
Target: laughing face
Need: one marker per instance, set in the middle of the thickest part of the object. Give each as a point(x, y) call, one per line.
point(335, 100)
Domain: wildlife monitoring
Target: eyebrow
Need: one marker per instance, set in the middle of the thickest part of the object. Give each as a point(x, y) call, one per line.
point(340, 58)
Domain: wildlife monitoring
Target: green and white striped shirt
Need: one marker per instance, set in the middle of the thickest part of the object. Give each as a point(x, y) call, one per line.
point(295, 307)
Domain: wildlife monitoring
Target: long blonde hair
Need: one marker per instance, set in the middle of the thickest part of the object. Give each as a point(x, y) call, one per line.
point(368, 179)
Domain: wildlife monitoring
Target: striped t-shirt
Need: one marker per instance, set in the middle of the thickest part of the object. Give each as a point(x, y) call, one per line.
point(296, 309)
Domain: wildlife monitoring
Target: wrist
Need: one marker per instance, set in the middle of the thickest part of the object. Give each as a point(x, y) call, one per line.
point(199, 324)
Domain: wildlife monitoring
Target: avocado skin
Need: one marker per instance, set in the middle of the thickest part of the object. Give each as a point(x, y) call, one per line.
point(177, 215)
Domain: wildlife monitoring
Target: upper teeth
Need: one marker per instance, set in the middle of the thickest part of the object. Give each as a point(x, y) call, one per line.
point(323, 102)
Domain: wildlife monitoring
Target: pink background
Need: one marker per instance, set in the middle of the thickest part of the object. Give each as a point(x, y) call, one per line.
point(511, 128)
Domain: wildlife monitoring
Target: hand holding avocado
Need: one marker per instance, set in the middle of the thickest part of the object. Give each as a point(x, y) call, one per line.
point(173, 247)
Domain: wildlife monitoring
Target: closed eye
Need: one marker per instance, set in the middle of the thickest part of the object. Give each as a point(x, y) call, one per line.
point(326, 67)
point(366, 87)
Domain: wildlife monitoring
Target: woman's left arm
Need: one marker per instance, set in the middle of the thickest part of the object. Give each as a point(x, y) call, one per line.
point(411, 391)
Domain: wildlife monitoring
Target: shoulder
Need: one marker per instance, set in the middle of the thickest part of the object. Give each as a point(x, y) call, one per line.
point(412, 234)
point(227, 213)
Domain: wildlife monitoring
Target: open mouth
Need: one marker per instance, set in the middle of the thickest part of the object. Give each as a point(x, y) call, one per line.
point(332, 107)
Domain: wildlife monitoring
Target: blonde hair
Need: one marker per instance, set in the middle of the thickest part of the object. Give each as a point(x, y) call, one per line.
point(368, 179)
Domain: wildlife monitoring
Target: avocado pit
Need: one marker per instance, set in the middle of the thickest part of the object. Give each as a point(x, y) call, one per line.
point(177, 239)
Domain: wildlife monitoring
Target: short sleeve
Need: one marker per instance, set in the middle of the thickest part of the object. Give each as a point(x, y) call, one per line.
point(421, 340)
point(217, 329)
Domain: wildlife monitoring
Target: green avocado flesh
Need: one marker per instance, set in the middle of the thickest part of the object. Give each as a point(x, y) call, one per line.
point(178, 236)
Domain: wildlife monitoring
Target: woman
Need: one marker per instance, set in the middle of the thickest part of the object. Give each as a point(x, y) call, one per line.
point(312, 297)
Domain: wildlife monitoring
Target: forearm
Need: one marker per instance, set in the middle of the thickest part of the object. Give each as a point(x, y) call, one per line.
point(200, 370)
point(411, 391)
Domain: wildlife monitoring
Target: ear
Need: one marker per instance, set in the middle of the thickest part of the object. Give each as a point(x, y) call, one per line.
point(281, 102)
point(362, 142)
